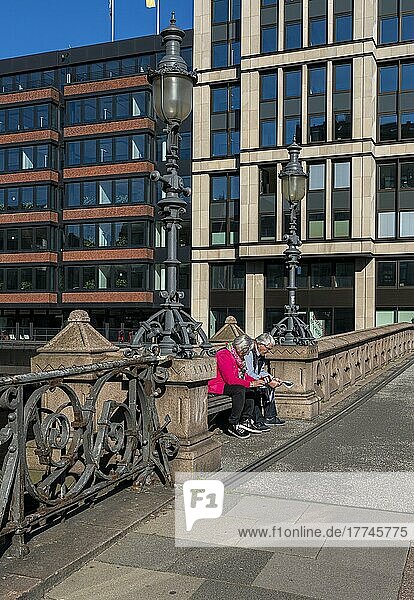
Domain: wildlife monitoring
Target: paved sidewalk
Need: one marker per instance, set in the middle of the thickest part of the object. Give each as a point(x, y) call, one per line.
point(147, 564)
point(60, 550)
point(123, 547)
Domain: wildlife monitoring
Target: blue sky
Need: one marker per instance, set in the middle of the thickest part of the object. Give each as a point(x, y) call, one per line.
point(32, 26)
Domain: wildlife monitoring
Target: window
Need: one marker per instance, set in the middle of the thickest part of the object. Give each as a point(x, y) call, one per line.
point(395, 208)
point(320, 275)
point(395, 21)
point(293, 24)
point(268, 25)
point(23, 279)
point(317, 22)
point(28, 239)
point(267, 204)
point(342, 101)
point(341, 200)
point(28, 118)
point(224, 210)
point(108, 277)
point(275, 276)
point(344, 275)
point(268, 110)
point(28, 157)
point(343, 28)
point(227, 277)
point(225, 32)
point(25, 81)
point(386, 274)
point(108, 191)
point(396, 102)
point(316, 201)
point(28, 198)
point(292, 106)
point(109, 149)
point(317, 104)
point(225, 120)
point(108, 108)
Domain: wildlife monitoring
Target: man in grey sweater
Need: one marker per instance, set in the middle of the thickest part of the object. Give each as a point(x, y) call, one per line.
point(255, 362)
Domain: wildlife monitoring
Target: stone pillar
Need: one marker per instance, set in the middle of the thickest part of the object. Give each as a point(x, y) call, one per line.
point(295, 363)
point(185, 401)
point(364, 293)
point(78, 344)
point(255, 286)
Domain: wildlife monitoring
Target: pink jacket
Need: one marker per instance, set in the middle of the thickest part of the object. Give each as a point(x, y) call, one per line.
point(227, 372)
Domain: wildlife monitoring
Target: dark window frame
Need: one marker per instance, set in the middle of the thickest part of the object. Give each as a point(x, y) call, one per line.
point(229, 219)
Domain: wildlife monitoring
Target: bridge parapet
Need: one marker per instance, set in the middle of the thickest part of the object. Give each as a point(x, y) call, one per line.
point(325, 373)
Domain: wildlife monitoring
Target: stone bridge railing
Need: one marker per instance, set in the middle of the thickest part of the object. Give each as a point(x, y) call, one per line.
point(70, 435)
point(323, 374)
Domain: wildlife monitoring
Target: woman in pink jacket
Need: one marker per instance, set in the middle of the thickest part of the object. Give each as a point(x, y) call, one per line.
point(233, 381)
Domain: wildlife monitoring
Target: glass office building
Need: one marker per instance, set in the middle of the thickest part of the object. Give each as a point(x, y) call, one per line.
point(339, 76)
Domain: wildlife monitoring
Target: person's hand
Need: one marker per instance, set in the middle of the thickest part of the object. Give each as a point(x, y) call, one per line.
point(257, 383)
point(275, 383)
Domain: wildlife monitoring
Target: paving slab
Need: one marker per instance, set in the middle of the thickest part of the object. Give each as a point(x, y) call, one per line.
point(233, 565)
point(102, 581)
point(14, 586)
point(142, 550)
point(407, 583)
point(337, 573)
point(59, 550)
point(220, 590)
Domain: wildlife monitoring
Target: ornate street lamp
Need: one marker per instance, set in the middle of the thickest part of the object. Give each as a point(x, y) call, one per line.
point(171, 328)
point(291, 330)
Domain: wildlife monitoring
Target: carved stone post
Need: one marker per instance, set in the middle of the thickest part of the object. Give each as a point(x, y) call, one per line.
point(295, 363)
point(185, 400)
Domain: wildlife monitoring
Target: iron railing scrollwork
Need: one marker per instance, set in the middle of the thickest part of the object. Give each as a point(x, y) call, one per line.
point(69, 435)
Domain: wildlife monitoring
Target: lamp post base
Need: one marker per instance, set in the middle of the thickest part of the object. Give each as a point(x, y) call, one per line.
point(174, 332)
point(292, 331)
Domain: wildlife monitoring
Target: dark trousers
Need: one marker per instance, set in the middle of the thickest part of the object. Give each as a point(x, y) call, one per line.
point(241, 406)
point(264, 404)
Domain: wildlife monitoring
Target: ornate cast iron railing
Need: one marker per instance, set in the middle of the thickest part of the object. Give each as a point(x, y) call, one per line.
point(70, 435)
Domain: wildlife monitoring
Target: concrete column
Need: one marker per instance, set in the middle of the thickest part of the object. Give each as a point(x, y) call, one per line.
point(364, 293)
point(202, 34)
point(201, 122)
point(200, 210)
point(356, 197)
point(305, 24)
point(279, 206)
point(280, 115)
point(369, 97)
point(329, 112)
point(357, 96)
point(255, 286)
point(329, 20)
point(328, 201)
point(249, 134)
point(200, 278)
point(304, 104)
point(368, 199)
point(249, 203)
point(281, 27)
point(250, 27)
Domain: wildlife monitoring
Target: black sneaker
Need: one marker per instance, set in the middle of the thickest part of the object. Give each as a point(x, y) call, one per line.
point(249, 425)
point(237, 431)
point(274, 421)
point(263, 426)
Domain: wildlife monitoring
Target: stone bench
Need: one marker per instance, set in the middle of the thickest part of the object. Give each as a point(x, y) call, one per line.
point(217, 403)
